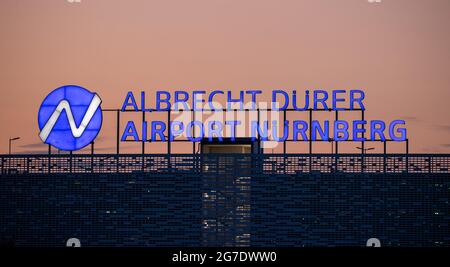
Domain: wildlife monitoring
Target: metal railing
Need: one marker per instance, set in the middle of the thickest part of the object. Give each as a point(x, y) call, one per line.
point(258, 163)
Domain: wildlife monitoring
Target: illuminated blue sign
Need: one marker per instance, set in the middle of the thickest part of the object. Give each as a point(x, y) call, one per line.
point(267, 130)
point(70, 118)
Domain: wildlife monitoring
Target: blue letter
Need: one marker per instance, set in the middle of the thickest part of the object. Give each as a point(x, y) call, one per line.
point(318, 99)
point(324, 133)
point(354, 99)
point(274, 100)
point(195, 100)
point(233, 128)
point(159, 131)
point(253, 93)
point(217, 131)
point(159, 100)
point(301, 130)
point(377, 130)
point(144, 131)
point(189, 127)
point(130, 96)
point(240, 100)
point(130, 130)
point(143, 102)
point(285, 131)
point(402, 131)
point(173, 131)
point(336, 99)
point(357, 130)
point(210, 99)
point(294, 101)
point(338, 130)
point(183, 100)
point(257, 130)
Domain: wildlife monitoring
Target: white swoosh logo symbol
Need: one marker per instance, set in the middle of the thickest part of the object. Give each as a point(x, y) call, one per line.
point(64, 105)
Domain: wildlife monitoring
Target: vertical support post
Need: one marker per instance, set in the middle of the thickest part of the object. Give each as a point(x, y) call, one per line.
point(259, 138)
point(169, 148)
point(336, 142)
point(49, 158)
point(117, 163)
point(70, 160)
point(197, 160)
point(117, 140)
point(384, 156)
point(407, 146)
point(193, 132)
point(336, 149)
point(407, 155)
point(92, 156)
point(284, 141)
point(118, 133)
point(362, 143)
point(310, 141)
point(310, 131)
point(143, 141)
point(282, 126)
point(429, 163)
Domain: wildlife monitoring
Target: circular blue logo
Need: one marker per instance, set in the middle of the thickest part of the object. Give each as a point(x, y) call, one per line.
point(70, 118)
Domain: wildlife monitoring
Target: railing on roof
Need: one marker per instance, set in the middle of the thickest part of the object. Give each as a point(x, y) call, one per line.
point(257, 163)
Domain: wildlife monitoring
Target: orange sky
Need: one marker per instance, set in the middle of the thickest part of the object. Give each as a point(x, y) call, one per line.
point(396, 50)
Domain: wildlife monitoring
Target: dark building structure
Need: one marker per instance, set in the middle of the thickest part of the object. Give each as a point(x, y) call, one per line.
point(225, 200)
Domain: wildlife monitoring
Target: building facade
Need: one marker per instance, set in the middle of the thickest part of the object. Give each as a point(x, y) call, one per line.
point(225, 200)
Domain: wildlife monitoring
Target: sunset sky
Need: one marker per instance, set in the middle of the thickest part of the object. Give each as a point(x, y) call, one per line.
point(397, 51)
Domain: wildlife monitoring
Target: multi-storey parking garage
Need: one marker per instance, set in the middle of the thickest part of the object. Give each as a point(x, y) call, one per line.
point(226, 199)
